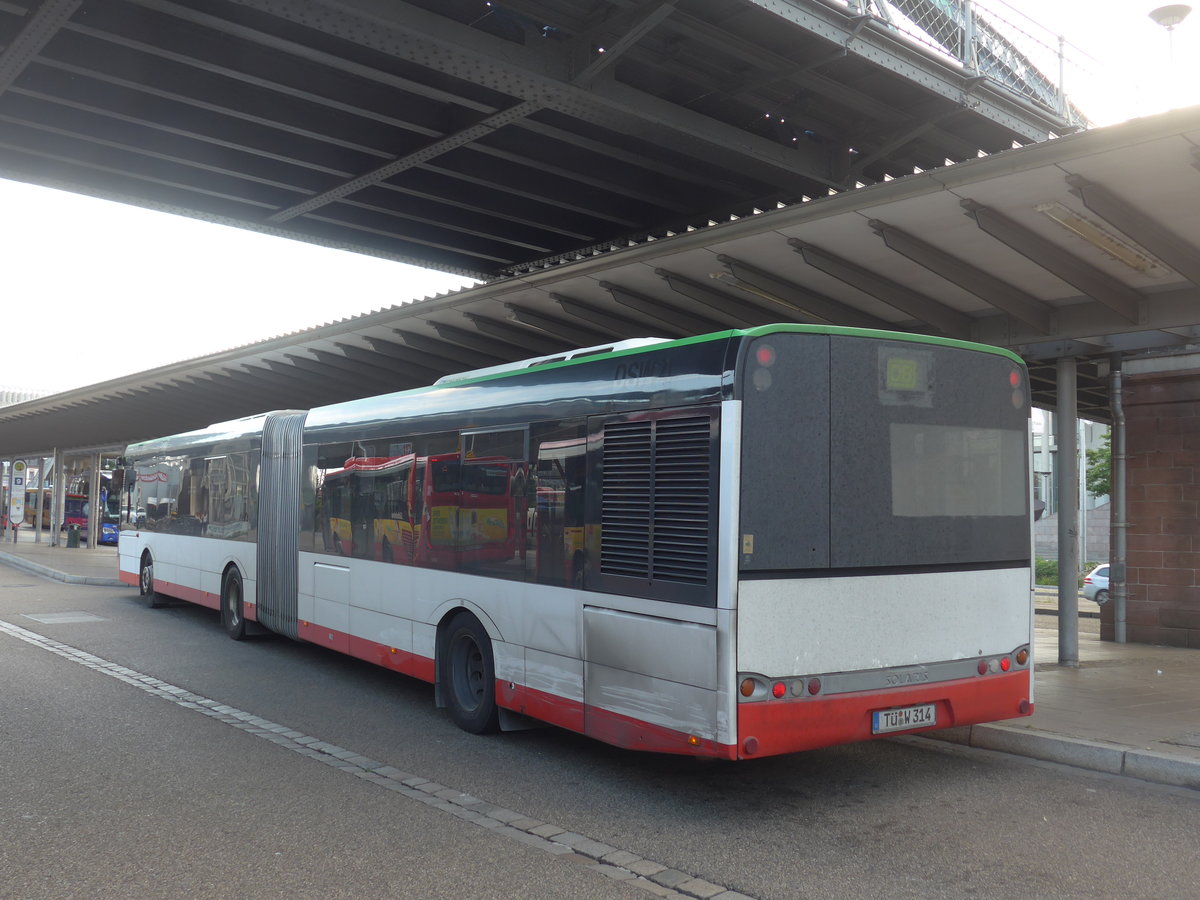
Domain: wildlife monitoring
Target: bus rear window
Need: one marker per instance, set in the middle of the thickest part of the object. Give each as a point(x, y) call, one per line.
point(864, 452)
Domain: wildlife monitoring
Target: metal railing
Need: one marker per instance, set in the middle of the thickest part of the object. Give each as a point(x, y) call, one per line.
point(993, 40)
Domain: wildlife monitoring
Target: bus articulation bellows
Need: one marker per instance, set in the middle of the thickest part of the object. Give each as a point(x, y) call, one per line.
point(738, 545)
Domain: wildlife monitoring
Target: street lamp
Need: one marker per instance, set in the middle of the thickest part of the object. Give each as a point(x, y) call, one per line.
point(1168, 17)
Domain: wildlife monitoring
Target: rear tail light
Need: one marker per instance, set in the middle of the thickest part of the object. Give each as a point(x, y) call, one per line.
point(756, 687)
point(1018, 394)
point(1019, 658)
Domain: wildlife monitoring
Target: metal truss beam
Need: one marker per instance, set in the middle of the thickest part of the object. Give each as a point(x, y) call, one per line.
point(668, 314)
point(559, 328)
point(985, 286)
point(470, 340)
point(1174, 309)
point(946, 320)
point(880, 47)
point(1096, 284)
point(537, 342)
point(450, 354)
point(40, 27)
point(542, 76)
point(745, 314)
point(1179, 254)
point(802, 304)
point(393, 360)
point(612, 322)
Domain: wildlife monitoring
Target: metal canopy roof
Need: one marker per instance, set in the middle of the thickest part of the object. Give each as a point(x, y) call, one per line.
point(479, 137)
point(1081, 246)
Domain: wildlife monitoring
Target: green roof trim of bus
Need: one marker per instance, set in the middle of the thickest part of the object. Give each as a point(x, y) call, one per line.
point(758, 331)
point(880, 333)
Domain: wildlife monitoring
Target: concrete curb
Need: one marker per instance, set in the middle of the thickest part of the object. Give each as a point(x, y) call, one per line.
point(1054, 612)
point(1113, 759)
point(33, 568)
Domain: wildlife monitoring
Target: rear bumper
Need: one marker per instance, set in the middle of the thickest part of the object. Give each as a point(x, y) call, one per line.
point(771, 727)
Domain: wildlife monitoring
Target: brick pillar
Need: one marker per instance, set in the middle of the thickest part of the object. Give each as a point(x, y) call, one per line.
point(1162, 414)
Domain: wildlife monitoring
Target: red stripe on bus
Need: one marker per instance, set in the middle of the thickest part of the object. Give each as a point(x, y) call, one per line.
point(610, 727)
point(768, 728)
point(550, 708)
point(634, 734)
point(605, 725)
point(402, 661)
point(190, 594)
point(392, 658)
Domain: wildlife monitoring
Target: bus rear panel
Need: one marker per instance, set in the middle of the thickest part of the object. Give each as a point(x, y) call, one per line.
point(884, 559)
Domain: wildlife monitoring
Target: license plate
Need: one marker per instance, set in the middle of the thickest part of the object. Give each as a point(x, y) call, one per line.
point(886, 720)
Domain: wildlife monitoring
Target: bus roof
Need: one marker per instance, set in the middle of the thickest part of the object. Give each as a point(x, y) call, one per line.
point(366, 410)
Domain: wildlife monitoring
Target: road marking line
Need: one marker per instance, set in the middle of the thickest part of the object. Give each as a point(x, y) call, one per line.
point(612, 862)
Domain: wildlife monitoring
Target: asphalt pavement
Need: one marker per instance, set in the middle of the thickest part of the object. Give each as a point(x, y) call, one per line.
point(1126, 709)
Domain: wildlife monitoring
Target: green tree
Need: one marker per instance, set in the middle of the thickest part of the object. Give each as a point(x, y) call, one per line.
point(1099, 468)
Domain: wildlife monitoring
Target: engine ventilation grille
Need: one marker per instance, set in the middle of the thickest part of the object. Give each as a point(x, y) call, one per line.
point(657, 499)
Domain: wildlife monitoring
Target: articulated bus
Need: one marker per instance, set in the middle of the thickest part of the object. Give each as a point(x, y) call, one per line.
point(737, 545)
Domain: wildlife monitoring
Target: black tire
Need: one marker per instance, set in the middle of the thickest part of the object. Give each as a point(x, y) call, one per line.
point(146, 581)
point(1101, 597)
point(468, 676)
point(233, 617)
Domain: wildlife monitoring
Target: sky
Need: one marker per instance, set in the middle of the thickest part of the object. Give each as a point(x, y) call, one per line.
point(1121, 63)
point(122, 290)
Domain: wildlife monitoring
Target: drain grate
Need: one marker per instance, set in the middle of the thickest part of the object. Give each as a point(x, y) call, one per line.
point(62, 618)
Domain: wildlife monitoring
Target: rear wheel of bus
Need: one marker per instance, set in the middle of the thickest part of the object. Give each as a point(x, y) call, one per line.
point(468, 675)
point(232, 612)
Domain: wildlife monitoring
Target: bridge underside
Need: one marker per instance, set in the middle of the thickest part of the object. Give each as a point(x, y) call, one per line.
point(482, 138)
point(1079, 247)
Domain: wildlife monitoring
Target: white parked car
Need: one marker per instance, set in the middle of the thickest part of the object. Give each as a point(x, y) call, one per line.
point(1095, 585)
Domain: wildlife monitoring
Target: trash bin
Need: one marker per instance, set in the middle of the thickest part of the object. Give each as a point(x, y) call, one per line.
point(72, 535)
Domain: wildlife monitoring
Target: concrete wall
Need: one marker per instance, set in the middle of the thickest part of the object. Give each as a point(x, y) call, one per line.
point(1162, 412)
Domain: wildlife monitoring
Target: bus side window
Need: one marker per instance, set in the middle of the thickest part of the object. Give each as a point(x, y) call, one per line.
point(332, 502)
point(556, 502)
point(492, 503)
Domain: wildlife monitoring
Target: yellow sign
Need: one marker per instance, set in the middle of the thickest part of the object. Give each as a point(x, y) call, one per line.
point(903, 374)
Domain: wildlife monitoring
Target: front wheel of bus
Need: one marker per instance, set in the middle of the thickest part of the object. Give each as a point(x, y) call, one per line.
point(468, 676)
point(146, 581)
point(232, 617)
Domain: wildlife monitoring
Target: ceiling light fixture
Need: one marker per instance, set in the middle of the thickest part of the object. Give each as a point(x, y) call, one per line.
point(1102, 238)
point(733, 281)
